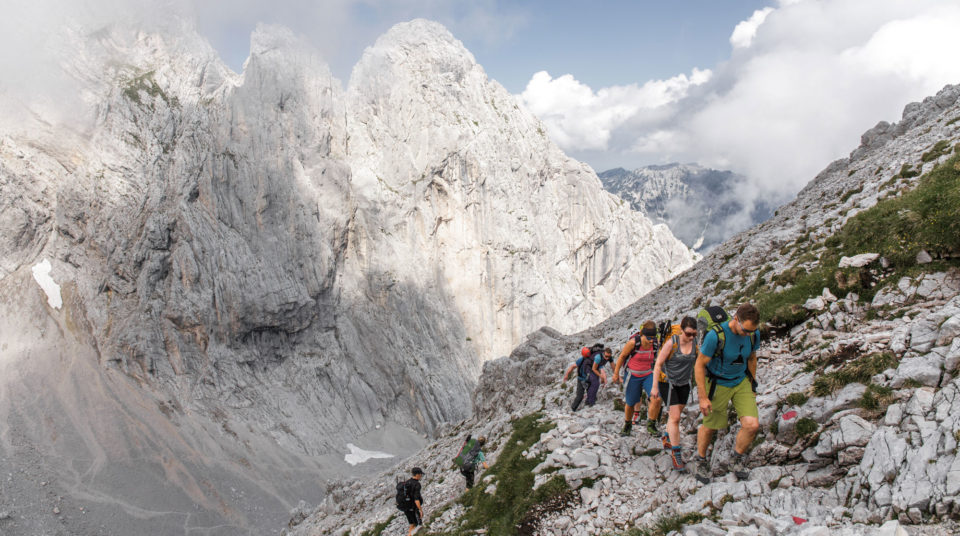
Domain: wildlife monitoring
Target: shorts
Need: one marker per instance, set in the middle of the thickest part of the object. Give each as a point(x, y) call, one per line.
point(678, 394)
point(635, 386)
point(413, 517)
point(744, 402)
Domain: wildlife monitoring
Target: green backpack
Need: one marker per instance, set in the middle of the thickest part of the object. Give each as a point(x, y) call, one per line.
point(467, 452)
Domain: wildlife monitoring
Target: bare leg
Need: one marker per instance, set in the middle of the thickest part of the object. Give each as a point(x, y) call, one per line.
point(673, 423)
point(749, 426)
point(704, 437)
point(628, 414)
point(654, 411)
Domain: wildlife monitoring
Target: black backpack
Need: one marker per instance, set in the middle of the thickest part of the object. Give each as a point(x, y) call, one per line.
point(404, 501)
point(470, 463)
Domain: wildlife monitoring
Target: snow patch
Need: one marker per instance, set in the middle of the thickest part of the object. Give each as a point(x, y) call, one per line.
point(41, 273)
point(358, 455)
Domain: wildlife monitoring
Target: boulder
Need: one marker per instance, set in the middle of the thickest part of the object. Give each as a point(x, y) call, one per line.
point(815, 304)
point(923, 257)
point(850, 431)
point(924, 369)
point(881, 462)
point(858, 261)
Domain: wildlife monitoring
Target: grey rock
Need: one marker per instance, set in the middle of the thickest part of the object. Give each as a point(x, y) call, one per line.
point(925, 369)
point(923, 257)
point(858, 261)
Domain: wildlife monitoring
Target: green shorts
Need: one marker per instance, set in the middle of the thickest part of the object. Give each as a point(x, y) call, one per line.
point(744, 402)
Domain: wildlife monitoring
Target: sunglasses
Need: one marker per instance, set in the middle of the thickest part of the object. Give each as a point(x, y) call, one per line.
point(690, 333)
point(649, 334)
point(743, 329)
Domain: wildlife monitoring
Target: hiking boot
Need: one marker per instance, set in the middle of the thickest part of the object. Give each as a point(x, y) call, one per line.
point(652, 427)
point(703, 470)
point(739, 466)
point(677, 458)
point(666, 441)
point(627, 426)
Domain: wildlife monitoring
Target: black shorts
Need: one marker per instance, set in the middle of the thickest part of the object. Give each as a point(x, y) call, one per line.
point(413, 516)
point(679, 394)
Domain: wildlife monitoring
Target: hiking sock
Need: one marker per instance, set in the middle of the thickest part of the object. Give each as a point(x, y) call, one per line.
point(665, 438)
point(677, 458)
point(627, 426)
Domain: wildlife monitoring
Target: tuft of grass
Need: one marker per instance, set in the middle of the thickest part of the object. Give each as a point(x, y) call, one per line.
point(806, 426)
point(876, 399)
point(666, 525)
point(850, 193)
point(796, 399)
point(939, 149)
point(378, 529)
point(857, 371)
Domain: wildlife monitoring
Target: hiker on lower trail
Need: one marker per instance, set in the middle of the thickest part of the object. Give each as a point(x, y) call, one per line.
point(409, 500)
point(590, 373)
point(725, 372)
point(642, 351)
point(470, 455)
point(676, 360)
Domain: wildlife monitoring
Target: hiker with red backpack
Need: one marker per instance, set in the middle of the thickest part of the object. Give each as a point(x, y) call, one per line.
point(726, 372)
point(676, 360)
point(590, 373)
point(409, 500)
point(638, 356)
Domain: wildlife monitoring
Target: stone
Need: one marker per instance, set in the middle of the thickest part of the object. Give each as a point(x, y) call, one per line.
point(585, 458)
point(881, 460)
point(949, 331)
point(925, 369)
point(891, 528)
point(828, 296)
point(815, 304)
point(858, 261)
point(589, 495)
point(923, 257)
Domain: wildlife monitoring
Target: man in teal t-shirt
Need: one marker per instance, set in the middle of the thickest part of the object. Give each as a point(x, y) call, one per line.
point(728, 378)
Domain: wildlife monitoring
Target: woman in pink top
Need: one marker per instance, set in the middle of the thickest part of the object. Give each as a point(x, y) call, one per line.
point(642, 352)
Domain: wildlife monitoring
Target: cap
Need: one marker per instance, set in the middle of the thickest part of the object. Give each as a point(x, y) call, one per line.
point(417, 471)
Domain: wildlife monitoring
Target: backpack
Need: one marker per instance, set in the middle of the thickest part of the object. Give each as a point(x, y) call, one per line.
point(470, 463)
point(585, 364)
point(465, 449)
point(404, 501)
point(709, 319)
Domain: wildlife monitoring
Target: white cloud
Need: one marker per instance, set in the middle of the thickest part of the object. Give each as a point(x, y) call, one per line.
point(744, 32)
point(815, 76)
point(579, 118)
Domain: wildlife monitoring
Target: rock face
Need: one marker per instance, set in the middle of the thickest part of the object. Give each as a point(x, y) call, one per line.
point(702, 206)
point(857, 401)
point(268, 265)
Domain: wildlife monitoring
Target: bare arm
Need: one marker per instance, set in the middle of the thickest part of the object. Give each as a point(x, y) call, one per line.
point(662, 357)
point(627, 350)
point(700, 375)
point(569, 370)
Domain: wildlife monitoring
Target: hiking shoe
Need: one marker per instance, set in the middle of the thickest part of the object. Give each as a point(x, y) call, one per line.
point(627, 426)
point(703, 470)
point(739, 466)
point(677, 459)
point(666, 441)
point(652, 427)
point(636, 417)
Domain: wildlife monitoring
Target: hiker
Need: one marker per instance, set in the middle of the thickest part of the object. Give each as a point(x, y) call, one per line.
point(412, 505)
point(472, 458)
point(642, 349)
point(676, 359)
point(725, 372)
point(590, 373)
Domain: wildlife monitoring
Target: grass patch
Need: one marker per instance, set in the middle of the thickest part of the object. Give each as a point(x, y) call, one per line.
point(796, 399)
point(876, 399)
point(952, 121)
point(378, 529)
point(850, 193)
point(939, 149)
point(666, 525)
point(857, 371)
point(515, 500)
point(927, 217)
point(806, 426)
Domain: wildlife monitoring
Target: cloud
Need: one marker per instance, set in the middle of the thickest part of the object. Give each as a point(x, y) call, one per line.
point(814, 77)
point(579, 118)
point(744, 32)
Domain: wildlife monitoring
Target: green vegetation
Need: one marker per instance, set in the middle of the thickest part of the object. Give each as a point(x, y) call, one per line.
point(857, 371)
point(952, 121)
point(796, 399)
point(145, 83)
point(806, 426)
point(849, 193)
point(876, 399)
point(906, 172)
point(378, 529)
point(515, 503)
point(927, 217)
point(939, 149)
point(666, 525)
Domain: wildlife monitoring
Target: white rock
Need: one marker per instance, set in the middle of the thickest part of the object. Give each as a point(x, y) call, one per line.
point(585, 458)
point(923, 257)
point(858, 261)
point(815, 304)
point(924, 369)
point(828, 296)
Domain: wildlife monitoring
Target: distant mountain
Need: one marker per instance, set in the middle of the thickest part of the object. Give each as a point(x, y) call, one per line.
point(702, 206)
